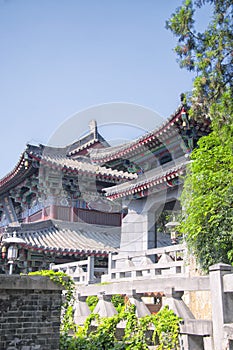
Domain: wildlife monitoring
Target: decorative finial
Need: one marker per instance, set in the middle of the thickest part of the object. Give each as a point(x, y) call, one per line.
point(182, 98)
point(93, 127)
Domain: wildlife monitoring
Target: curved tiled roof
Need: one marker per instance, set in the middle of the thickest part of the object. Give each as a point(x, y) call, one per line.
point(17, 175)
point(110, 153)
point(54, 157)
point(68, 238)
point(57, 158)
point(19, 172)
point(149, 179)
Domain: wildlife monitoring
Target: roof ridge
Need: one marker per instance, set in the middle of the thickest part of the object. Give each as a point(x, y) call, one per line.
point(111, 151)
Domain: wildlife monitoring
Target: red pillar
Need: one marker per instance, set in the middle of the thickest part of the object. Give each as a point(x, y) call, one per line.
point(52, 211)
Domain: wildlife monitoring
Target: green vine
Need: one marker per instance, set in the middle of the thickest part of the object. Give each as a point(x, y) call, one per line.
point(117, 300)
point(135, 330)
point(97, 333)
point(166, 325)
point(92, 301)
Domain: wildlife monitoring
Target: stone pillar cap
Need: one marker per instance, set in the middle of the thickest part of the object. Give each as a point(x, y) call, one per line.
point(220, 267)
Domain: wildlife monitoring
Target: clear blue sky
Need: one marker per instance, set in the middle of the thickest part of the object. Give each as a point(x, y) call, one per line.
point(58, 57)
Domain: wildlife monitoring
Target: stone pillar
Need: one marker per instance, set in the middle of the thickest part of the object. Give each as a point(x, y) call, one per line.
point(90, 269)
point(138, 227)
point(222, 303)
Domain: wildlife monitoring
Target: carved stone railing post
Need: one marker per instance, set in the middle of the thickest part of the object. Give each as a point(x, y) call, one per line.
point(90, 270)
point(175, 302)
point(222, 303)
point(81, 309)
point(136, 299)
point(104, 307)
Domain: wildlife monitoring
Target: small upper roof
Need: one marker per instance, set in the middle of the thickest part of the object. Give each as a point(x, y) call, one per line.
point(173, 126)
point(92, 139)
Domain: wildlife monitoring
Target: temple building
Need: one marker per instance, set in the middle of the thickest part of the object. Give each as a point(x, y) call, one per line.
point(89, 199)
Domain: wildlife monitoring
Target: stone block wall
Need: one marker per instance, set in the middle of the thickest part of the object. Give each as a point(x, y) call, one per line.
point(199, 302)
point(30, 313)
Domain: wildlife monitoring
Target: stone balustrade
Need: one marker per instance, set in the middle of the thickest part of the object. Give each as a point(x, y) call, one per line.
point(82, 272)
point(139, 265)
point(137, 274)
point(195, 334)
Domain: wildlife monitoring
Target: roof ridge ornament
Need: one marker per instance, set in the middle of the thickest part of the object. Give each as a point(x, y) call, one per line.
point(93, 127)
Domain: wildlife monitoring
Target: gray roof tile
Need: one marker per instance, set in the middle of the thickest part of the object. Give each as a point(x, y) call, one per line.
point(67, 236)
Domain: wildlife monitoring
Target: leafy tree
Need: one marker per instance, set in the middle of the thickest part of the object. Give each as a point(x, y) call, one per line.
point(208, 200)
point(209, 54)
point(208, 188)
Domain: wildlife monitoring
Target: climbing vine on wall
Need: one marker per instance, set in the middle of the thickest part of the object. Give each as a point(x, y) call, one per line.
point(67, 282)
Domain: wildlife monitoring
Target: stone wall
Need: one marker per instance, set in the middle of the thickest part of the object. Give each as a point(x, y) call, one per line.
point(199, 302)
point(30, 313)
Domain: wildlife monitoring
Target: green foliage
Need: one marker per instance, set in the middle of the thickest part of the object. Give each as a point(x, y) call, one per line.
point(208, 201)
point(166, 330)
point(104, 337)
point(92, 301)
point(117, 300)
point(207, 53)
point(208, 188)
point(135, 330)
